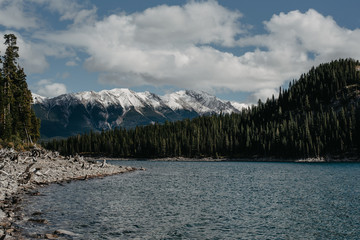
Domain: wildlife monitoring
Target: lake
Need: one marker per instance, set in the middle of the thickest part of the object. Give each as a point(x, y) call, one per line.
point(207, 200)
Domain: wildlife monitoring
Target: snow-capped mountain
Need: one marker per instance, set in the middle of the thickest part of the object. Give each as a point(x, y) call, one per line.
point(200, 102)
point(75, 113)
point(37, 98)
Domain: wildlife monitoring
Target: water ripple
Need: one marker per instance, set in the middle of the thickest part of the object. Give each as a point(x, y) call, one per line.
point(184, 200)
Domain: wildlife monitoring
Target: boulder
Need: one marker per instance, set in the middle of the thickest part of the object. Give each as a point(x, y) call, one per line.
point(51, 236)
point(65, 232)
point(2, 215)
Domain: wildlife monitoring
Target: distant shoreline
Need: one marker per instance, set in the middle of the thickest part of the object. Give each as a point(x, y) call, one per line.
point(183, 159)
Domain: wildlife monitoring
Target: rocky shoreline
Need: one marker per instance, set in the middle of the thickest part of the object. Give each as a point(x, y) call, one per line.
point(23, 172)
point(321, 159)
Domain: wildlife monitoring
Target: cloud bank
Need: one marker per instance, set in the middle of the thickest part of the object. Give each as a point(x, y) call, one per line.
point(189, 46)
point(48, 88)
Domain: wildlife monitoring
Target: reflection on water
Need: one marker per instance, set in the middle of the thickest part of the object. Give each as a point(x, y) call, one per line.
point(212, 200)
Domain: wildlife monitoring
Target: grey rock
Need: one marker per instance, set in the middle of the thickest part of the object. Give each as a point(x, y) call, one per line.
point(65, 232)
point(2, 215)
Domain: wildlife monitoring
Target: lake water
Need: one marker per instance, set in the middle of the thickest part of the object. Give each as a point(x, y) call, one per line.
point(208, 200)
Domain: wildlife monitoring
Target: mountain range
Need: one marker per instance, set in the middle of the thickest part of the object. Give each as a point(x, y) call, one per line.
point(75, 113)
point(317, 116)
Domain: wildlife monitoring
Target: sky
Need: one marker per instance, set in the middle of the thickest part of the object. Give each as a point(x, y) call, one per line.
point(236, 50)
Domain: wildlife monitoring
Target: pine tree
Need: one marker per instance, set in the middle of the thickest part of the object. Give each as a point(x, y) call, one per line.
point(8, 75)
point(17, 118)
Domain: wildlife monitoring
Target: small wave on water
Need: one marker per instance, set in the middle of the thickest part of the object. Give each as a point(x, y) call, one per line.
point(213, 200)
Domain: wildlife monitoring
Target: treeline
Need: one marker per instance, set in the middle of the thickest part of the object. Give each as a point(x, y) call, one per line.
point(18, 122)
point(317, 115)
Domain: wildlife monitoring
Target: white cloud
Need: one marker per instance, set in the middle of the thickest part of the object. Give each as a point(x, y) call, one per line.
point(162, 45)
point(296, 41)
point(76, 11)
point(21, 14)
point(47, 88)
point(73, 62)
point(13, 14)
point(33, 54)
point(178, 46)
point(302, 39)
point(194, 23)
point(263, 94)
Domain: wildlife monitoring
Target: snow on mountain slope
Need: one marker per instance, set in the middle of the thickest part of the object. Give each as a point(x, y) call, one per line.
point(197, 101)
point(73, 113)
point(200, 102)
point(119, 97)
point(37, 98)
point(151, 99)
point(239, 106)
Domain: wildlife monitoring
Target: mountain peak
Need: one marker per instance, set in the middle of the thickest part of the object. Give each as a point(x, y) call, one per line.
point(201, 102)
point(37, 98)
point(122, 107)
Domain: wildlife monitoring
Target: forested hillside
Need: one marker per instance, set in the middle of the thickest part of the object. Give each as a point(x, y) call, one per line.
point(318, 115)
point(18, 123)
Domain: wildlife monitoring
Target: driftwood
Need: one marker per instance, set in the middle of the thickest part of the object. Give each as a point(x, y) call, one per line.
point(36, 152)
point(25, 177)
point(78, 158)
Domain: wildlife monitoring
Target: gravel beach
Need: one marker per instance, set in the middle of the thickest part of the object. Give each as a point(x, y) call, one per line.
point(23, 172)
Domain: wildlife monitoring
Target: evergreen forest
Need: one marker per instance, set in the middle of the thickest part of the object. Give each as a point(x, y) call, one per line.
point(318, 115)
point(18, 123)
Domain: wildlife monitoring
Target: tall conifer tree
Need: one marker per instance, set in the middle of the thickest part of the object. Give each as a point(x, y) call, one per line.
point(16, 115)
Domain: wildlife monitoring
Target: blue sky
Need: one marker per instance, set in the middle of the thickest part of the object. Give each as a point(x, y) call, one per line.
point(236, 50)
